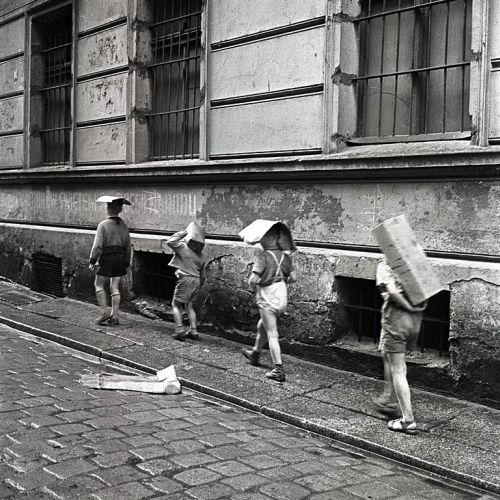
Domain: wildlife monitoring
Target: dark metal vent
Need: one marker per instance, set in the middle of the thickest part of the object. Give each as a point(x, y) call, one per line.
point(47, 271)
point(153, 276)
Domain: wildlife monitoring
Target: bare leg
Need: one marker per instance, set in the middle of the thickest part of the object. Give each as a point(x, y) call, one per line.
point(270, 324)
point(100, 293)
point(177, 311)
point(261, 337)
point(397, 366)
point(115, 296)
point(388, 395)
point(191, 315)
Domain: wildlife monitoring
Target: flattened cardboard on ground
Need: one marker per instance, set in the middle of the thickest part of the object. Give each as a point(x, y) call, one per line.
point(164, 382)
point(407, 259)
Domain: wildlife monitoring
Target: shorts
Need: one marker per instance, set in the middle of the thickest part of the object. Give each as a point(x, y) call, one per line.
point(112, 264)
point(185, 290)
point(273, 297)
point(400, 330)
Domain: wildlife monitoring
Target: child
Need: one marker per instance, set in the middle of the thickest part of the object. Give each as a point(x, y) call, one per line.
point(112, 251)
point(400, 329)
point(189, 262)
point(271, 271)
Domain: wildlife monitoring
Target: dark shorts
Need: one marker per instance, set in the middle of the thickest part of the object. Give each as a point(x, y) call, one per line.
point(400, 330)
point(112, 264)
point(186, 289)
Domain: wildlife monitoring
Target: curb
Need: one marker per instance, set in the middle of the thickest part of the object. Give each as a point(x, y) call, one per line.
point(301, 423)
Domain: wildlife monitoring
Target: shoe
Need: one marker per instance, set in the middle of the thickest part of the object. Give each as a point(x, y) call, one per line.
point(102, 319)
point(192, 334)
point(276, 374)
point(113, 321)
point(251, 355)
point(399, 425)
point(390, 409)
point(180, 333)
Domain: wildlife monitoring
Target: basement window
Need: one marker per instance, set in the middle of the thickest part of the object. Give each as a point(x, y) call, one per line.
point(363, 302)
point(47, 274)
point(153, 276)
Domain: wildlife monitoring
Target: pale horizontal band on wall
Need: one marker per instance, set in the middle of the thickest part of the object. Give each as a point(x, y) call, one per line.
point(270, 33)
point(17, 55)
point(268, 96)
point(15, 17)
point(102, 27)
point(447, 136)
point(10, 95)
point(101, 121)
point(11, 132)
point(102, 74)
point(267, 154)
point(235, 238)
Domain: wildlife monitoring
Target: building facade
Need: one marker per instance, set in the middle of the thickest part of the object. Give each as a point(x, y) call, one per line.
point(330, 115)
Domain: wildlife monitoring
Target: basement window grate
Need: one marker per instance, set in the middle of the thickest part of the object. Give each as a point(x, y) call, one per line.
point(153, 276)
point(47, 271)
point(363, 302)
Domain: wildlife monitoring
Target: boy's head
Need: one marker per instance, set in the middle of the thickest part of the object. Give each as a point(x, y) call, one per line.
point(278, 237)
point(195, 237)
point(115, 207)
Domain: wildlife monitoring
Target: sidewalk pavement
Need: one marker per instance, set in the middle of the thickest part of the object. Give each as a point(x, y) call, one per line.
point(456, 439)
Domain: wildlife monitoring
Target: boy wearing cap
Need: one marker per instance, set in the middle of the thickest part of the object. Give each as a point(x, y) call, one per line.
point(110, 258)
point(189, 262)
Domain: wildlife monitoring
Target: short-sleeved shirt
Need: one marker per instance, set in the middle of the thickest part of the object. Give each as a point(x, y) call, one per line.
point(266, 266)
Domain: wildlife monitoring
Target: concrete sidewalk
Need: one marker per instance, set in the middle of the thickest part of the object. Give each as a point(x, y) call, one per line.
point(457, 439)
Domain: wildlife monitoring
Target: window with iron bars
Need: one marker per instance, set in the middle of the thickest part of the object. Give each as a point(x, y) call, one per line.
point(363, 303)
point(153, 276)
point(56, 51)
point(175, 73)
point(413, 81)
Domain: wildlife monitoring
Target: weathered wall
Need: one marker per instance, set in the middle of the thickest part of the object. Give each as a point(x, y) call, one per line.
point(459, 216)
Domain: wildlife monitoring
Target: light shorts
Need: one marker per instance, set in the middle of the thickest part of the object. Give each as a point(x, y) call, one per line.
point(273, 297)
point(186, 288)
point(400, 330)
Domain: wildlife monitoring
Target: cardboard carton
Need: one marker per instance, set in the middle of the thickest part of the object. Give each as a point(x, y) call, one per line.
point(407, 259)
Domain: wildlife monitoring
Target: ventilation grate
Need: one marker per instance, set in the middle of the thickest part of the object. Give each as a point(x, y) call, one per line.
point(47, 274)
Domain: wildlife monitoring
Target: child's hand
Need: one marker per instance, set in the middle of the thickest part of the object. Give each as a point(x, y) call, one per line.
point(253, 281)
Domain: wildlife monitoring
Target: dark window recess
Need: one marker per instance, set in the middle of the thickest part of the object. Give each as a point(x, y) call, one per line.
point(56, 50)
point(153, 276)
point(414, 69)
point(363, 302)
point(175, 73)
point(47, 271)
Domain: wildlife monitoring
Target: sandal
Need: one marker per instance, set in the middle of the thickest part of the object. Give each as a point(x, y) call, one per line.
point(399, 425)
point(103, 319)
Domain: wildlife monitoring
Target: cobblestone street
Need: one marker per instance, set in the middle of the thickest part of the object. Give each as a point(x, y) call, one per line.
point(61, 440)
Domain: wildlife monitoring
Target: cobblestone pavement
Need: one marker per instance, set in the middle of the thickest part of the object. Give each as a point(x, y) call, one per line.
point(61, 440)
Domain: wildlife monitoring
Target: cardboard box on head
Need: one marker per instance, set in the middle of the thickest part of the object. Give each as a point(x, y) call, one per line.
point(268, 233)
point(407, 259)
point(195, 237)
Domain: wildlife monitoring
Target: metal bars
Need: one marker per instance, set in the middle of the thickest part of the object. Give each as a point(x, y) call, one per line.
point(414, 68)
point(175, 73)
point(56, 89)
point(363, 303)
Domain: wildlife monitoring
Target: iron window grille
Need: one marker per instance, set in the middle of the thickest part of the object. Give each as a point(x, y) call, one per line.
point(363, 303)
point(175, 72)
point(56, 57)
point(414, 72)
point(153, 276)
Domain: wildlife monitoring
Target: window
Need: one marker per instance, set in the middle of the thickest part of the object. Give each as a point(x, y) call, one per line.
point(175, 73)
point(363, 303)
point(414, 72)
point(153, 276)
point(55, 36)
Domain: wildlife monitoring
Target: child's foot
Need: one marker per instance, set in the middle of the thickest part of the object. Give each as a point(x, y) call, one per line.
point(102, 319)
point(251, 355)
point(180, 333)
point(388, 408)
point(277, 374)
point(192, 333)
point(400, 425)
point(113, 321)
